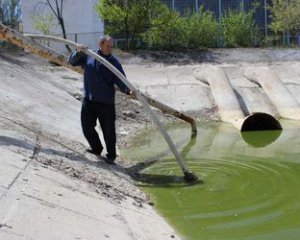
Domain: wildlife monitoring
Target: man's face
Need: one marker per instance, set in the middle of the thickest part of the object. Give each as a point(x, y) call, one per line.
point(106, 47)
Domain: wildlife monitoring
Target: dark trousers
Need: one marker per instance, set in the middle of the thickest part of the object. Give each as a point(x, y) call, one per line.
point(105, 113)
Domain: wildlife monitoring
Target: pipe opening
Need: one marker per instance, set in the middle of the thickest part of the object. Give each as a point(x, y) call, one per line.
point(260, 121)
point(269, 127)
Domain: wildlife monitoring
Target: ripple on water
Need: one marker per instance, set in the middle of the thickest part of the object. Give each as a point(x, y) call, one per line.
point(248, 193)
point(240, 198)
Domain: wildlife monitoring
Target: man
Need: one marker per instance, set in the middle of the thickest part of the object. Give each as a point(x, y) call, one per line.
point(99, 96)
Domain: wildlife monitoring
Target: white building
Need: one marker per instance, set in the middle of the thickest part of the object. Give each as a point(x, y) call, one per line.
point(82, 23)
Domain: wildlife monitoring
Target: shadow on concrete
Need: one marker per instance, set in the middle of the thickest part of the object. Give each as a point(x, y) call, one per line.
point(70, 155)
point(133, 171)
point(170, 57)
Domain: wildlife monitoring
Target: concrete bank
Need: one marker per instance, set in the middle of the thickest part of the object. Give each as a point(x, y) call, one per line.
point(49, 187)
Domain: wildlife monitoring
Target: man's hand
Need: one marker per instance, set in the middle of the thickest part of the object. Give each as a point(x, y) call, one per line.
point(81, 47)
point(132, 94)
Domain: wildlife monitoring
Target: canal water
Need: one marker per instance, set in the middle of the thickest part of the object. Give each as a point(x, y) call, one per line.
point(251, 187)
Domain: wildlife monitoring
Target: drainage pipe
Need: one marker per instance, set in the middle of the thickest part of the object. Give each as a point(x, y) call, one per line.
point(188, 175)
point(286, 105)
point(228, 105)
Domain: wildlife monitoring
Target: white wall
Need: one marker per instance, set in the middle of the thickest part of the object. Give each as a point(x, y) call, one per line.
point(79, 16)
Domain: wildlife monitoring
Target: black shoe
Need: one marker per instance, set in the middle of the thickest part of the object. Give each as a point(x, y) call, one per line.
point(109, 160)
point(95, 152)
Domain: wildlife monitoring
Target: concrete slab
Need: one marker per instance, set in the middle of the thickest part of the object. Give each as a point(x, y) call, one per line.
point(60, 191)
point(174, 86)
point(289, 74)
point(10, 235)
point(236, 76)
point(12, 158)
point(159, 75)
point(8, 175)
point(142, 76)
point(183, 97)
point(254, 100)
point(48, 221)
point(37, 94)
point(2, 191)
point(181, 74)
point(294, 90)
point(45, 204)
point(15, 152)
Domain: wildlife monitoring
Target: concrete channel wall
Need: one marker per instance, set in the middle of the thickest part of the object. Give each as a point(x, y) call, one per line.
point(235, 111)
point(238, 91)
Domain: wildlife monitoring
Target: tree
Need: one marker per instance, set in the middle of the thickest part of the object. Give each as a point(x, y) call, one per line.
point(239, 28)
point(202, 29)
point(279, 13)
point(10, 12)
point(294, 18)
point(169, 30)
point(128, 17)
point(44, 24)
point(57, 7)
point(165, 30)
point(285, 17)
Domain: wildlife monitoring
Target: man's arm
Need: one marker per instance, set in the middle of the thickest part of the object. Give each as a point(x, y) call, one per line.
point(123, 88)
point(78, 58)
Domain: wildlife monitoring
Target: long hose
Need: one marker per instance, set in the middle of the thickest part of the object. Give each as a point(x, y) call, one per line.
point(188, 175)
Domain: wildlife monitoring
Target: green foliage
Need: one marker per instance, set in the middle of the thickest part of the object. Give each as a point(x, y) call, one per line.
point(156, 25)
point(279, 11)
point(130, 17)
point(294, 17)
point(56, 7)
point(202, 29)
point(166, 30)
point(285, 17)
point(44, 23)
point(238, 29)
point(170, 31)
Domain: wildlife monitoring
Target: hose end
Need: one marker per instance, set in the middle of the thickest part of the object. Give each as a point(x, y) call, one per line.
point(191, 177)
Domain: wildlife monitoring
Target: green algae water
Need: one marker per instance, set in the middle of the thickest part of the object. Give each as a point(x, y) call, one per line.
point(251, 186)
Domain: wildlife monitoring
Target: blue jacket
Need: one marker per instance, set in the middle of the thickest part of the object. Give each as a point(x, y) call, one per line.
point(99, 80)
